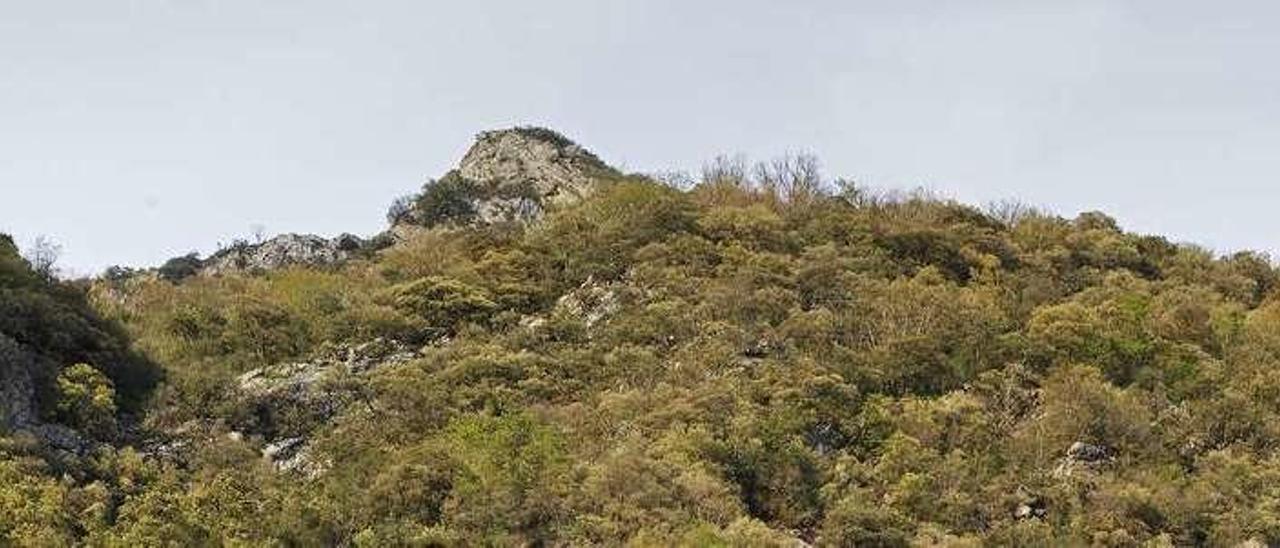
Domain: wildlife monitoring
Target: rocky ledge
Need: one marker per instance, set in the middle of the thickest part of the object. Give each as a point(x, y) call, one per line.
point(283, 251)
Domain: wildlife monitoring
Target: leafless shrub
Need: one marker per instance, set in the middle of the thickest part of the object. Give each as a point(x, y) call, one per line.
point(43, 256)
point(794, 179)
point(730, 170)
point(1011, 212)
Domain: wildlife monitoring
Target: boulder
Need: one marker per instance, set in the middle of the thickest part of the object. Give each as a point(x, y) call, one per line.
point(1089, 453)
point(292, 455)
point(1034, 509)
point(1084, 456)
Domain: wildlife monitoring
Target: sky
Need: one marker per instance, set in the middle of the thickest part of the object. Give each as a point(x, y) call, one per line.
point(132, 131)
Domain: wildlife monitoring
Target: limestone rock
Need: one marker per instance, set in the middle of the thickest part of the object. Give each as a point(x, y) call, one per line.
point(506, 209)
point(558, 170)
point(282, 251)
point(1088, 453)
point(290, 400)
point(293, 455)
point(18, 410)
point(507, 176)
point(1034, 509)
point(17, 389)
point(1084, 456)
point(592, 301)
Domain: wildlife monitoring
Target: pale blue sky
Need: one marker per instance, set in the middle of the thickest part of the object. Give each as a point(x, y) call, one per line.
point(132, 131)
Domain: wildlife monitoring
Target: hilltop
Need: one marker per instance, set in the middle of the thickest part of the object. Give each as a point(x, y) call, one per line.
point(543, 350)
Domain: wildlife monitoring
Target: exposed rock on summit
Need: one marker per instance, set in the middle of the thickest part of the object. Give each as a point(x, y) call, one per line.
point(283, 251)
point(509, 175)
point(558, 170)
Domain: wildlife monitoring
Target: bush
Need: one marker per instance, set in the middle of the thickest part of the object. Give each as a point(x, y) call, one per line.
point(87, 400)
point(180, 268)
point(511, 478)
point(857, 521)
point(443, 304)
point(598, 236)
point(451, 199)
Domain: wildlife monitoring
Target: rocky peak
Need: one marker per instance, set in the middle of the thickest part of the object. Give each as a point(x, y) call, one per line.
point(508, 175)
point(557, 170)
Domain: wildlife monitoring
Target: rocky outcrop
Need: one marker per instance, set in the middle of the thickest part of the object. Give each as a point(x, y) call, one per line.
point(557, 170)
point(292, 455)
point(506, 209)
point(285, 403)
point(18, 411)
point(509, 175)
point(1084, 456)
point(1089, 453)
point(17, 388)
point(283, 251)
point(591, 302)
point(1030, 506)
point(1031, 510)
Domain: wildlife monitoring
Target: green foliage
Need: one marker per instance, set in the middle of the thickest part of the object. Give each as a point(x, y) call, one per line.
point(87, 400)
point(510, 478)
point(180, 268)
point(855, 521)
point(449, 200)
point(598, 237)
point(442, 304)
point(748, 363)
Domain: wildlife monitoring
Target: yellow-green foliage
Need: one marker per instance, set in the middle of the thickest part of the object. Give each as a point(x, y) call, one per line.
point(87, 400)
point(732, 365)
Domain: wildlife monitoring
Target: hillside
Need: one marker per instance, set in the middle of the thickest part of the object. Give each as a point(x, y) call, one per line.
point(542, 350)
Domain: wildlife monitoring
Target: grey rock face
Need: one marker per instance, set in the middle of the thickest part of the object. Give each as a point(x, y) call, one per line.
point(304, 383)
point(1034, 509)
point(282, 251)
point(1084, 456)
point(17, 389)
point(507, 176)
point(557, 170)
point(504, 210)
point(18, 412)
point(289, 401)
point(592, 302)
point(1088, 453)
point(292, 455)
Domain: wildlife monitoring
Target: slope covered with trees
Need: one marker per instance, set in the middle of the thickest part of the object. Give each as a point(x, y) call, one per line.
point(761, 358)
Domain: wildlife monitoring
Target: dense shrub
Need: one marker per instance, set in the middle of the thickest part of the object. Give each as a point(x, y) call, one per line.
point(54, 322)
point(450, 199)
point(180, 268)
point(442, 304)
